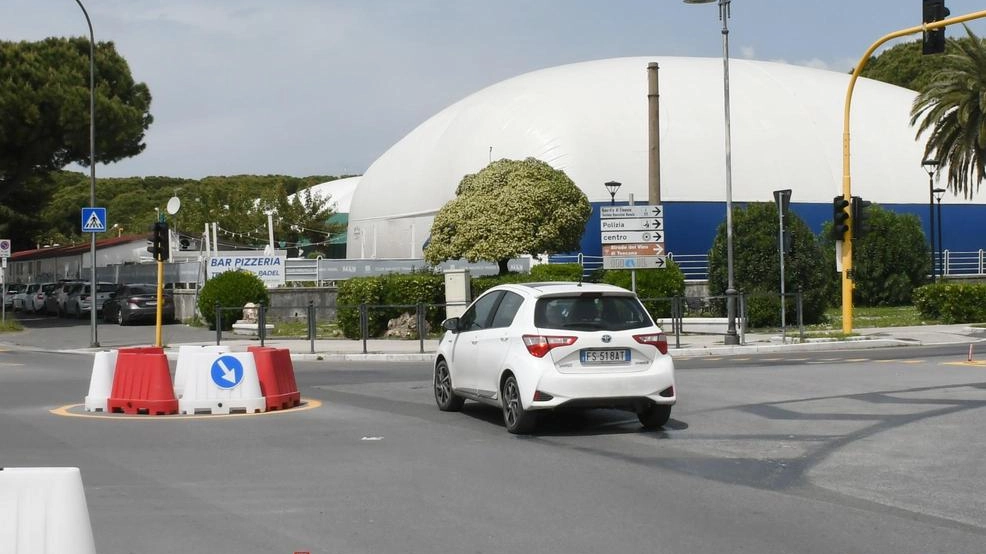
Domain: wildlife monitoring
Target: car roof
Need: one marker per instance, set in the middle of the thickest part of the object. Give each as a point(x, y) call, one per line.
point(549, 288)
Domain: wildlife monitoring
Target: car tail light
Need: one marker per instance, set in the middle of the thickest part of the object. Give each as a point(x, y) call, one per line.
point(655, 339)
point(539, 345)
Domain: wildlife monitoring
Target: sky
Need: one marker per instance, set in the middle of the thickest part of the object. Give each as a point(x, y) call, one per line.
point(324, 87)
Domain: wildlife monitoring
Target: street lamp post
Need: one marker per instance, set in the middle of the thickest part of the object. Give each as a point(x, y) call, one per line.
point(94, 342)
point(731, 336)
point(612, 187)
point(941, 245)
point(931, 166)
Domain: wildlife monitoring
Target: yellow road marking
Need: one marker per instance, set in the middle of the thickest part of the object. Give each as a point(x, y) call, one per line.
point(974, 363)
point(307, 404)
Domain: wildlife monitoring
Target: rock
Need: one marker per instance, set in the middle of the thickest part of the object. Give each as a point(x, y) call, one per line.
point(404, 327)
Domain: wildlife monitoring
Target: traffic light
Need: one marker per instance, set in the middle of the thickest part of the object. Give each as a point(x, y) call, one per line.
point(860, 217)
point(159, 245)
point(934, 40)
point(839, 216)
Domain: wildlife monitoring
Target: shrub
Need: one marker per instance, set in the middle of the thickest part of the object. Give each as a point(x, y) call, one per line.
point(413, 289)
point(231, 290)
point(352, 293)
point(389, 290)
point(756, 266)
point(889, 262)
point(483, 284)
point(652, 284)
point(952, 302)
point(556, 272)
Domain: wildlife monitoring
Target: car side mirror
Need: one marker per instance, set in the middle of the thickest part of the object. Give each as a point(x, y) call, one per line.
point(451, 324)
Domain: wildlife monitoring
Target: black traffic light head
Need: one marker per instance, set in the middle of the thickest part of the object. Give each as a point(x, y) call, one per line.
point(860, 217)
point(159, 247)
point(934, 40)
point(840, 227)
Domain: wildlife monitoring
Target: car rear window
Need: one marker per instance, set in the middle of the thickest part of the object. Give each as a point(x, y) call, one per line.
point(141, 290)
point(591, 313)
point(105, 287)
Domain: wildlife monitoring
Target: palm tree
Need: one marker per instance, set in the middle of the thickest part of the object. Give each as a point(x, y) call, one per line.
point(953, 108)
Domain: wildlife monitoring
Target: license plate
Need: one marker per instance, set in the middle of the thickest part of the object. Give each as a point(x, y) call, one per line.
point(610, 356)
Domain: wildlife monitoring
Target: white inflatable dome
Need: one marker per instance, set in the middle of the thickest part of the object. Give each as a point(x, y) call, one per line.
point(590, 120)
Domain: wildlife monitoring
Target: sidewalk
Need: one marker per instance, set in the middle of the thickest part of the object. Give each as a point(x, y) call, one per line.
point(694, 345)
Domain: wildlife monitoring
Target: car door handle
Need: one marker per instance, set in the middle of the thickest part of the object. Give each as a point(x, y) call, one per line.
point(504, 339)
point(474, 341)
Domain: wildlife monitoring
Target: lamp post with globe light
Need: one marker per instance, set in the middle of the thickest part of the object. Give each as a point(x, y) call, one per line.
point(939, 192)
point(931, 166)
point(731, 336)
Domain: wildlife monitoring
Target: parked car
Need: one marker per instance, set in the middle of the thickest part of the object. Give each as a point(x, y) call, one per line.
point(79, 301)
point(22, 297)
point(526, 348)
point(55, 298)
point(13, 289)
point(34, 301)
point(130, 303)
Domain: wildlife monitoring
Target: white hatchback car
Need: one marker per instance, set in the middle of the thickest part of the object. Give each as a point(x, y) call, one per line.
point(539, 346)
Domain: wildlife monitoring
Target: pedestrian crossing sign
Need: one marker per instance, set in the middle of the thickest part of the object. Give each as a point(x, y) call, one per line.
point(93, 220)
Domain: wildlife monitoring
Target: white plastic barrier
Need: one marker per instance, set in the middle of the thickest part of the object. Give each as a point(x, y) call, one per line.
point(43, 511)
point(101, 380)
point(181, 368)
point(221, 383)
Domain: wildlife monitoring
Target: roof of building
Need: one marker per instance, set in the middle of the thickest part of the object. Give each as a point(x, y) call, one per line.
point(590, 120)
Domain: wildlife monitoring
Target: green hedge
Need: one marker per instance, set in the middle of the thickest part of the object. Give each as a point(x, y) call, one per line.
point(556, 272)
point(652, 284)
point(952, 302)
point(388, 290)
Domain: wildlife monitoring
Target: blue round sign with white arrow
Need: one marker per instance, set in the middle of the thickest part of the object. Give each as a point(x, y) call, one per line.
point(227, 372)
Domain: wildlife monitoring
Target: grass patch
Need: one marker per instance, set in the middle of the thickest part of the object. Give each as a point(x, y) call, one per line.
point(10, 325)
point(862, 318)
point(323, 329)
point(881, 316)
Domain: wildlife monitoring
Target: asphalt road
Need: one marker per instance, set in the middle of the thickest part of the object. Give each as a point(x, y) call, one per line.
point(839, 452)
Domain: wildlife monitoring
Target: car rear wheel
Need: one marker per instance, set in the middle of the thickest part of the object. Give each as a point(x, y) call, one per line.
point(447, 400)
point(120, 319)
point(654, 416)
point(517, 420)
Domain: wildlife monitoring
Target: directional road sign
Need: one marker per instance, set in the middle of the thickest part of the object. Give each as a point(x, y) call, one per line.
point(646, 210)
point(93, 220)
point(639, 262)
point(633, 250)
point(632, 224)
point(227, 372)
point(631, 237)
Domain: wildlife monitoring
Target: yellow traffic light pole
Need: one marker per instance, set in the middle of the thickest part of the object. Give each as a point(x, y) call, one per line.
point(847, 284)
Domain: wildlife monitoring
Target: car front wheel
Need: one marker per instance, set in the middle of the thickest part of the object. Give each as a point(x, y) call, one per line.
point(517, 420)
point(447, 400)
point(654, 416)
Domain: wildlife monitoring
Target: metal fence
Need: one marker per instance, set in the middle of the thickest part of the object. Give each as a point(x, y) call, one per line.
point(696, 266)
point(311, 323)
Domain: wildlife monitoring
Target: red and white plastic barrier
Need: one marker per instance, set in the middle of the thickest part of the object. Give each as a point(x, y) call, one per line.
point(208, 380)
point(43, 511)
